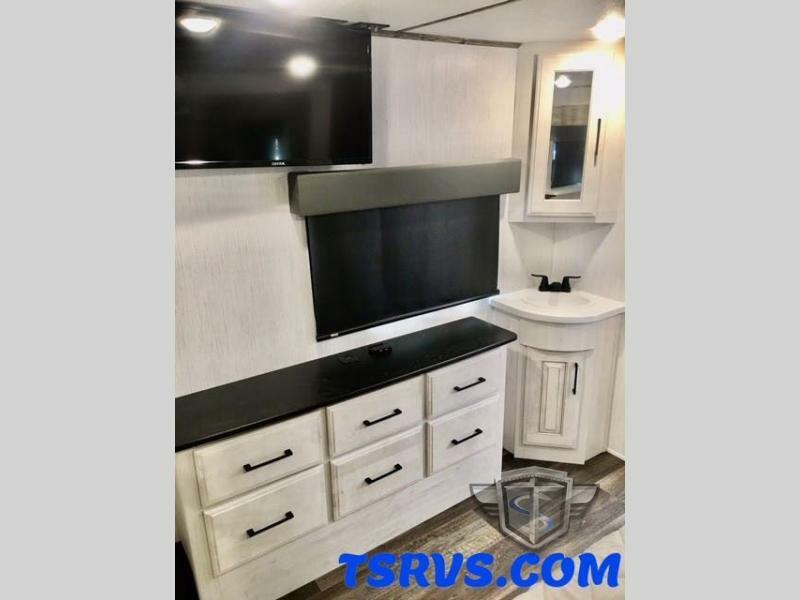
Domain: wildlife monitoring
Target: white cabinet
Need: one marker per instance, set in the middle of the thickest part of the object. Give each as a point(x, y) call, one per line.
point(569, 133)
point(566, 144)
point(560, 387)
point(551, 410)
point(263, 513)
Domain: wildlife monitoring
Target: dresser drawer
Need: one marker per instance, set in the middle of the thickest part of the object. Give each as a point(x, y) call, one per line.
point(252, 525)
point(366, 419)
point(464, 383)
point(458, 435)
point(364, 476)
point(247, 461)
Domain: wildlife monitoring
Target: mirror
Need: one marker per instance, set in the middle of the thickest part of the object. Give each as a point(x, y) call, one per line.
point(572, 91)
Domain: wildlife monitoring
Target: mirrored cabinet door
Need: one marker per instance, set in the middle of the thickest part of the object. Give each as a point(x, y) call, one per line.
point(567, 137)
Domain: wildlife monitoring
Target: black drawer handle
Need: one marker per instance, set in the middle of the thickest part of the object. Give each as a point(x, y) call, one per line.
point(575, 381)
point(248, 467)
point(254, 532)
point(597, 140)
point(466, 387)
point(394, 413)
point(469, 437)
point(394, 470)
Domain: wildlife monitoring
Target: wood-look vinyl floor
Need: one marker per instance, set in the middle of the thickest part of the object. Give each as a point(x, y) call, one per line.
point(464, 528)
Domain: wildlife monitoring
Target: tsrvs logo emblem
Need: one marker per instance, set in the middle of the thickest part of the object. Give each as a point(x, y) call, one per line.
point(534, 505)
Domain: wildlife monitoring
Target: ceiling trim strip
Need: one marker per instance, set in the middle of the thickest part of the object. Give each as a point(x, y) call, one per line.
point(457, 16)
point(427, 37)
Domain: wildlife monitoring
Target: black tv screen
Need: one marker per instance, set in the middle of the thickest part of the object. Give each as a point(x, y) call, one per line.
point(270, 89)
point(374, 266)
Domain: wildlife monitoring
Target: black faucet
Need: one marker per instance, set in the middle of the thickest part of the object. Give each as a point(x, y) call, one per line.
point(556, 286)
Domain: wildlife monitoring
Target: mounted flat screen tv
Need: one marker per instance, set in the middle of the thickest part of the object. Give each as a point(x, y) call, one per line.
point(380, 265)
point(269, 89)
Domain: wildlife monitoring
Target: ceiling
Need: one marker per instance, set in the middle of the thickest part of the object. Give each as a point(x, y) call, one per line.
point(529, 21)
point(511, 21)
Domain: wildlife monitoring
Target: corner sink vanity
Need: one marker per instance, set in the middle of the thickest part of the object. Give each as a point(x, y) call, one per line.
point(561, 369)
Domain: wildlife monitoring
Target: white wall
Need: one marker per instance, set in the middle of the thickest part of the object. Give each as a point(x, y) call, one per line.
point(243, 289)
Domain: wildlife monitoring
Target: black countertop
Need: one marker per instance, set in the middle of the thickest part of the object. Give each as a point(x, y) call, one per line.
point(257, 401)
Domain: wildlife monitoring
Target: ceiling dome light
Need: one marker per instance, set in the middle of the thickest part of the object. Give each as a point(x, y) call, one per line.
point(199, 24)
point(610, 29)
point(562, 81)
point(301, 66)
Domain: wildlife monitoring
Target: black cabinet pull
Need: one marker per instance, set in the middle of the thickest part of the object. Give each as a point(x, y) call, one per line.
point(254, 532)
point(575, 382)
point(394, 470)
point(597, 140)
point(248, 467)
point(469, 437)
point(466, 387)
point(394, 413)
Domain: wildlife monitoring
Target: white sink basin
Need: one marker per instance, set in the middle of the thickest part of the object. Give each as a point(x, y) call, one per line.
point(557, 307)
point(554, 299)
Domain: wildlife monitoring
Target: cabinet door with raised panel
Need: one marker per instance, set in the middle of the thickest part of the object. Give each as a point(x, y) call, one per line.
point(567, 138)
point(551, 398)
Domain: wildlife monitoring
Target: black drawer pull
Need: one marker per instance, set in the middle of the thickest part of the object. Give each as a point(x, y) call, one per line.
point(469, 437)
point(248, 467)
point(254, 532)
point(394, 470)
point(597, 140)
point(575, 381)
point(394, 413)
point(466, 387)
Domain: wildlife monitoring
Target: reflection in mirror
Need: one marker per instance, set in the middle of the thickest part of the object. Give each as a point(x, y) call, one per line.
point(571, 95)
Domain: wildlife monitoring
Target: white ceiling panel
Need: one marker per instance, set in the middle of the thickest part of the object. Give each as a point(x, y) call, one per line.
point(516, 21)
point(530, 21)
point(398, 14)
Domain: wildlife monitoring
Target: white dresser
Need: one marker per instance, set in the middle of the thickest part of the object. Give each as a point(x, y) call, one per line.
point(265, 512)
